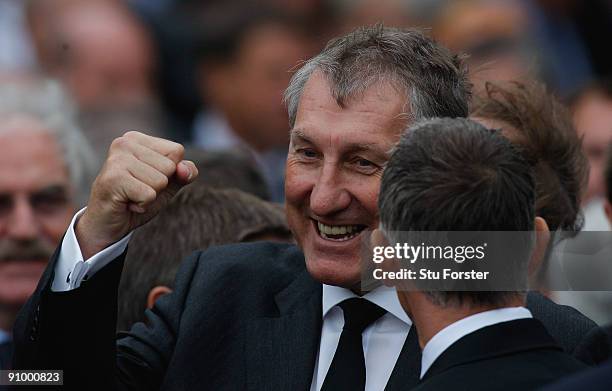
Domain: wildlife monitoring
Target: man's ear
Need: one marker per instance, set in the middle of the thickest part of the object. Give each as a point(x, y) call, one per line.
point(155, 293)
point(539, 251)
point(378, 238)
point(608, 210)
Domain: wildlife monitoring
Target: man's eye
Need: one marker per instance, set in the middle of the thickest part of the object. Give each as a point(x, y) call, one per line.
point(6, 204)
point(308, 153)
point(48, 203)
point(364, 163)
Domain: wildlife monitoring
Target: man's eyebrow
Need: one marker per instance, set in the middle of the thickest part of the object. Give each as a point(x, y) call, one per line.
point(349, 148)
point(299, 134)
point(55, 190)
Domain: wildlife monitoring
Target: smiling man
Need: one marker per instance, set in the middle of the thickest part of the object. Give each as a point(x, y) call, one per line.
point(263, 315)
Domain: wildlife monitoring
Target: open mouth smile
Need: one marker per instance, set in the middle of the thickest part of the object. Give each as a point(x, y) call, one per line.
point(338, 233)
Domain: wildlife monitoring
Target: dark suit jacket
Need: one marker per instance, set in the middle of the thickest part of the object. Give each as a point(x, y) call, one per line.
point(6, 353)
point(595, 379)
point(514, 355)
point(241, 317)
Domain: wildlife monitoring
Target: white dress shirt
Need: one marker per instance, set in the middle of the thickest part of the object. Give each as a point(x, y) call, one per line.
point(71, 269)
point(455, 331)
point(382, 340)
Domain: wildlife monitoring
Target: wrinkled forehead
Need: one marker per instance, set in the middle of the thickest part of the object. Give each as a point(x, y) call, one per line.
point(379, 108)
point(30, 158)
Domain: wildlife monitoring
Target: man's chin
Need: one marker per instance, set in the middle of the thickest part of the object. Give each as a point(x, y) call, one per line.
point(335, 272)
point(18, 280)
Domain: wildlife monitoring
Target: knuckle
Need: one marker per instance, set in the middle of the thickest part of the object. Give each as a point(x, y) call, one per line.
point(119, 143)
point(115, 161)
point(131, 134)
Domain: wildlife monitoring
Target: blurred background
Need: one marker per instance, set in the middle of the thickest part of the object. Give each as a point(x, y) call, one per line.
point(211, 74)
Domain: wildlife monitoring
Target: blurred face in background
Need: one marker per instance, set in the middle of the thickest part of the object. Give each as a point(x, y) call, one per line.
point(97, 49)
point(248, 88)
point(593, 120)
point(35, 206)
point(491, 33)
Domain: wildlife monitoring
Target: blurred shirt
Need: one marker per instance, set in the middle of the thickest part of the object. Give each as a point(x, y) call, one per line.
point(16, 52)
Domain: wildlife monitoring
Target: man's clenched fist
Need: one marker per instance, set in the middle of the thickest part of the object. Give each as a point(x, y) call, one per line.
point(140, 176)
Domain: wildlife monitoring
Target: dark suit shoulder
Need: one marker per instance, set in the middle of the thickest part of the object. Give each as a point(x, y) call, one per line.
point(519, 371)
point(248, 264)
point(567, 319)
point(595, 379)
point(248, 276)
point(254, 257)
point(576, 333)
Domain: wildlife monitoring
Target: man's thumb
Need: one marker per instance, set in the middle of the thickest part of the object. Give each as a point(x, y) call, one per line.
point(186, 172)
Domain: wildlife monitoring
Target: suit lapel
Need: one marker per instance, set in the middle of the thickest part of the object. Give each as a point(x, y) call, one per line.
point(407, 369)
point(281, 351)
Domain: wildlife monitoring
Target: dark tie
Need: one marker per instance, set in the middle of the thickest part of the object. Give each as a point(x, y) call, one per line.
point(347, 370)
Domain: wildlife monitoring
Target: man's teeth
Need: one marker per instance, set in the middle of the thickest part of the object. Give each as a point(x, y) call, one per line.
point(326, 230)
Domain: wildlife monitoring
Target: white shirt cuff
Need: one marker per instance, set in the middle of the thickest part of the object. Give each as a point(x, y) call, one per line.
point(71, 269)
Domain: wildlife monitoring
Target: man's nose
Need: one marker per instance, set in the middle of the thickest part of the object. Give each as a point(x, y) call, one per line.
point(329, 195)
point(22, 221)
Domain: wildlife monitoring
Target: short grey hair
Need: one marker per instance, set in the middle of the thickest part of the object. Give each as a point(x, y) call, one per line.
point(45, 101)
point(434, 80)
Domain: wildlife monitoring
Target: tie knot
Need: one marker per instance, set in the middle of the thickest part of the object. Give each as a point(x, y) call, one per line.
point(360, 313)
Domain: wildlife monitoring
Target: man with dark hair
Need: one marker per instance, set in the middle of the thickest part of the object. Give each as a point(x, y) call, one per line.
point(196, 219)
point(476, 181)
point(259, 316)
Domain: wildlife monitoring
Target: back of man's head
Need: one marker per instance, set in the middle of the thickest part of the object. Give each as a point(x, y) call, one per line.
point(232, 169)
point(456, 175)
point(197, 217)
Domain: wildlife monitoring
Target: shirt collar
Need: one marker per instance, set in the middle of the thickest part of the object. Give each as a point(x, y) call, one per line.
point(383, 296)
point(455, 331)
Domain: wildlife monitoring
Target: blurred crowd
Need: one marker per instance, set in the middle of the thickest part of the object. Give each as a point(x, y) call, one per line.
point(211, 75)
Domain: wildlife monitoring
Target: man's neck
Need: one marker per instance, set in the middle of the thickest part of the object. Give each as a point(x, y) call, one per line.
point(430, 318)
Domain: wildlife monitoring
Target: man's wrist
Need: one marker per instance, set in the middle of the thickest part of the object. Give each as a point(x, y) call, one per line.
point(89, 243)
